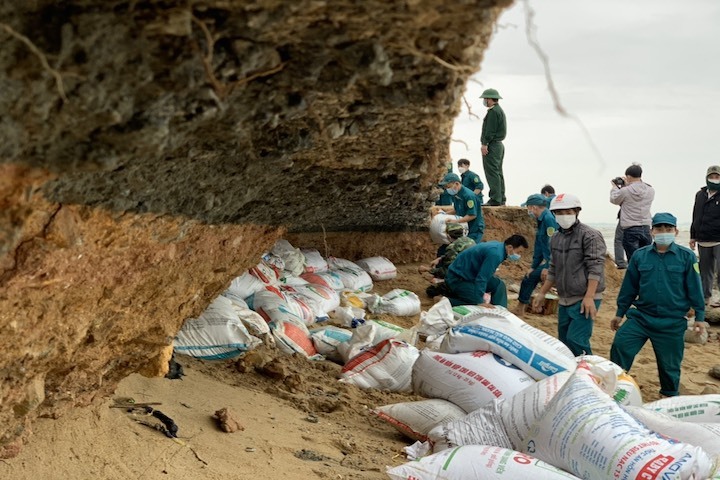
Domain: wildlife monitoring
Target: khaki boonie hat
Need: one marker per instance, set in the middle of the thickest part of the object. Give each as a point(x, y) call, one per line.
point(713, 169)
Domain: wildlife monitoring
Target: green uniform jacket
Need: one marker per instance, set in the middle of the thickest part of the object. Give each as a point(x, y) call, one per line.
point(494, 126)
point(479, 263)
point(662, 285)
point(472, 181)
point(466, 203)
point(546, 228)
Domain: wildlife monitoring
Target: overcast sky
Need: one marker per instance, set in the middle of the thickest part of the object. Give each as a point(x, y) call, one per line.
point(644, 78)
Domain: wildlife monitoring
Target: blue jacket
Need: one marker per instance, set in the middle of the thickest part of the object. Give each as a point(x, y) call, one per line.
point(662, 285)
point(546, 228)
point(479, 263)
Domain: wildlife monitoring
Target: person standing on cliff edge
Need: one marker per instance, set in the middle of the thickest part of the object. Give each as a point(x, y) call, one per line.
point(493, 151)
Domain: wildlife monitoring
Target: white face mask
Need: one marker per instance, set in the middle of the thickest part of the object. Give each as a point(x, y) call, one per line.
point(566, 221)
point(714, 180)
point(485, 103)
point(462, 169)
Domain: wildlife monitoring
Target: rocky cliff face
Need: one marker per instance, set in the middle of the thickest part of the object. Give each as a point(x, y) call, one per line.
point(151, 150)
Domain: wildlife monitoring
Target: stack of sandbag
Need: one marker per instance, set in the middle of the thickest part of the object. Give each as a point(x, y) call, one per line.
point(327, 278)
point(585, 432)
point(218, 333)
point(254, 280)
point(286, 318)
point(386, 366)
point(314, 262)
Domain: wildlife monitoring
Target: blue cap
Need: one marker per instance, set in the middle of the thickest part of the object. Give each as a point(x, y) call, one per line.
point(535, 199)
point(664, 218)
point(449, 178)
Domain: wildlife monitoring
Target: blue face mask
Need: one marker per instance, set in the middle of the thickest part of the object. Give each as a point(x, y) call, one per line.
point(514, 257)
point(530, 212)
point(664, 239)
point(451, 191)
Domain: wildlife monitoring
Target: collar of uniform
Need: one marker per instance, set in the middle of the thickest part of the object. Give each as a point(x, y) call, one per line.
point(672, 248)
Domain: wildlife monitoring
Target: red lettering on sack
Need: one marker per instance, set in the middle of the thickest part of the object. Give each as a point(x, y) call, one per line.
point(651, 469)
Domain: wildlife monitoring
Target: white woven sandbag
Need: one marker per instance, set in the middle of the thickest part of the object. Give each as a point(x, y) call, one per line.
point(327, 278)
point(252, 320)
point(689, 408)
point(705, 435)
point(327, 339)
point(216, 334)
point(349, 316)
point(386, 366)
point(437, 320)
point(326, 297)
point(354, 279)
point(416, 419)
point(379, 268)
point(614, 380)
point(584, 431)
point(265, 273)
point(274, 306)
point(312, 310)
point(438, 228)
point(293, 258)
point(478, 462)
point(469, 380)
point(499, 331)
point(292, 337)
point(504, 422)
point(293, 281)
point(245, 285)
point(399, 302)
point(314, 262)
point(372, 332)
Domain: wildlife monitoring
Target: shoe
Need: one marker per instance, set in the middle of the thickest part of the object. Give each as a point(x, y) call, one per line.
point(621, 267)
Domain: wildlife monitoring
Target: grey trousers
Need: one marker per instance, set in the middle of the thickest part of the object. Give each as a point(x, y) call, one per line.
point(619, 250)
point(709, 267)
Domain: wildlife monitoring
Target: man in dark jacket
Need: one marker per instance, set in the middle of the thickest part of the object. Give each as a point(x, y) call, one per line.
point(705, 230)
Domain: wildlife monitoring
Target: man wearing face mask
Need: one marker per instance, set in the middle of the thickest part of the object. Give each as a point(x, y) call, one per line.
point(661, 284)
point(494, 130)
point(470, 179)
point(472, 273)
point(546, 227)
point(577, 270)
point(465, 206)
point(705, 230)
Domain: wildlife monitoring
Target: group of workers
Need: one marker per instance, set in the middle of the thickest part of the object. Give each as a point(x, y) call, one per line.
point(661, 284)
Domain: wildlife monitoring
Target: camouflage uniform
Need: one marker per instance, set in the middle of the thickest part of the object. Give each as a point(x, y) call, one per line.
point(453, 250)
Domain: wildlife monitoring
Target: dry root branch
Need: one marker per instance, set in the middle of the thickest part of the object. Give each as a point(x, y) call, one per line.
point(40, 55)
point(223, 89)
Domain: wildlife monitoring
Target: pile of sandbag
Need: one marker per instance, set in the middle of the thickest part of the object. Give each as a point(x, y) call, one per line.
point(503, 390)
point(289, 290)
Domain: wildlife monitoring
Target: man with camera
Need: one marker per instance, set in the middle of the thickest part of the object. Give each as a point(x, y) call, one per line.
point(635, 197)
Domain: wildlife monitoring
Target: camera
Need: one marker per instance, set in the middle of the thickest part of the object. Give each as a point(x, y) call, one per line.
point(619, 181)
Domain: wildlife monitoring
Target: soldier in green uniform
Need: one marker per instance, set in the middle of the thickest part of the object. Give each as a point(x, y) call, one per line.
point(662, 282)
point(445, 198)
point(494, 130)
point(465, 206)
point(470, 179)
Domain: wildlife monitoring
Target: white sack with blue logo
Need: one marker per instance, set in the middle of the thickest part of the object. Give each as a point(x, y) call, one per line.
point(499, 331)
point(218, 333)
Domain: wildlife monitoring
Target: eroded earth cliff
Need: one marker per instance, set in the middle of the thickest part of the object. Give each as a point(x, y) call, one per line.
point(151, 150)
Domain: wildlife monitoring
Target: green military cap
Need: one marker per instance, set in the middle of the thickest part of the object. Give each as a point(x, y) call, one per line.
point(449, 178)
point(455, 230)
point(664, 218)
point(535, 199)
point(491, 93)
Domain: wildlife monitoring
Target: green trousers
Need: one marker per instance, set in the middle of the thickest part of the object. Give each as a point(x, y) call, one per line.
point(574, 330)
point(493, 166)
point(667, 336)
point(464, 292)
